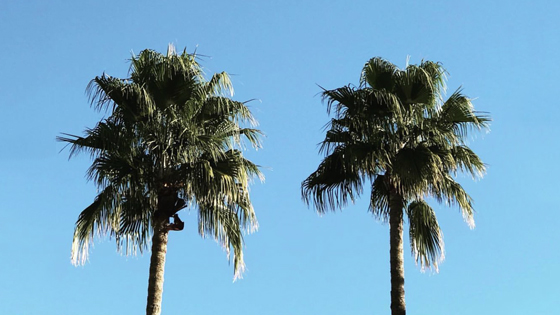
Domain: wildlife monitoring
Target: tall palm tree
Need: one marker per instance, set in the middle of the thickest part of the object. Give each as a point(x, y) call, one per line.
point(173, 140)
point(396, 133)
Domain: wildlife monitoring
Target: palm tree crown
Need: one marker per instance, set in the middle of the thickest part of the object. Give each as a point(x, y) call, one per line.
point(396, 133)
point(173, 140)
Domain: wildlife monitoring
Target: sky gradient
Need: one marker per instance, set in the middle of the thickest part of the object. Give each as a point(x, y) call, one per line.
point(503, 55)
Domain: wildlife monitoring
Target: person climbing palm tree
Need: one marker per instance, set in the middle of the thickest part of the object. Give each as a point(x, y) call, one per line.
point(172, 140)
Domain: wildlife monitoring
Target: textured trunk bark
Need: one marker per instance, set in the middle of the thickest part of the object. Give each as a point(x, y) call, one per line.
point(398, 306)
point(157, 266)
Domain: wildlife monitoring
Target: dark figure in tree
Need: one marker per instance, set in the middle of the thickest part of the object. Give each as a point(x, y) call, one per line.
point(177, 224)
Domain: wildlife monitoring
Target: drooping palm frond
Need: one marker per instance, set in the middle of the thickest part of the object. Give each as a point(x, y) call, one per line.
point(451, 193)
point(95, 220)
point(336, 181)
point(225, 210)
point(426, 238)
point(379, 199)
point(135, 227)
point(222, 224)
point(467, 161)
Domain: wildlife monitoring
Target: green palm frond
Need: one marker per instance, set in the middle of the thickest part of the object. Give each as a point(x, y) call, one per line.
point(413, 169)
point(458, 114)
point(438, 76)
point(220, 84)
point(365, 109)
point(225, 210)
point(379, 74)
point(217, 108)
point(379, 199)
point(223, 225)
point(335, 182)
point(135, 228)
point(451, 193)
point(129, 101)
point(96, 220)
point(467, 161)
point(105, 136)
point(426, 238)
point(416, 87)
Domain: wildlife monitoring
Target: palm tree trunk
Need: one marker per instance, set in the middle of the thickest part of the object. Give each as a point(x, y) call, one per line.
point(157, 266)
point(398, 306)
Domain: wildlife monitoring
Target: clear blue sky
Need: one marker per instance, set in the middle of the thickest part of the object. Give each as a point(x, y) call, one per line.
point(503, 53)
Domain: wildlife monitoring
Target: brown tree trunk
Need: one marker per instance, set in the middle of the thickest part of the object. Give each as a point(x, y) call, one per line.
point(157, 266)
point(398, 306)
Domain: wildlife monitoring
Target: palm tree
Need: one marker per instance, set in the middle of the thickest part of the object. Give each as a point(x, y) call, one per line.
point(173, 140)
point(396, 133)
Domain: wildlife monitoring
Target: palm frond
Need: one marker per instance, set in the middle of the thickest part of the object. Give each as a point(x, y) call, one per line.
point(426, 238)
point(340, 99)
point(135, 228)
point(467, 161)
point(458, 114)
point(219, 107)
point(379, 199)
point(223, 225)
point(95, 220)
point(335, 182)
point(414, 169)
point(452, 193)
point(378, 74)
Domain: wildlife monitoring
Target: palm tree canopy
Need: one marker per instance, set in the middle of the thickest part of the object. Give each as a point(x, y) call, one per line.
point(396, 130)
point(170, 131)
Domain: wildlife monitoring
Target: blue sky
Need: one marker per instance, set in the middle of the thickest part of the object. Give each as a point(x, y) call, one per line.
point(503, 54)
